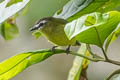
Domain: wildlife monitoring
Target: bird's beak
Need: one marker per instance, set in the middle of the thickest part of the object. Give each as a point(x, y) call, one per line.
point(34, 28)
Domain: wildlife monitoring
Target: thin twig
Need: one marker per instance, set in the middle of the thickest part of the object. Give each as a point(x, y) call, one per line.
point(94, 55)
point(104, 53)
point(109, 60)
point(89, 49)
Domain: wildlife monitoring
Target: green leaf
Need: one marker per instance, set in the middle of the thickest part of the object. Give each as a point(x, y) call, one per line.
point(96, 33)
point(117, 77)
point(112, 37)
point(79, 63)
point(6, 12)
point(72, 7)
point(76, 8)
point(8, 29)
point(37, 34)
point(11, 2)
point(16, 64)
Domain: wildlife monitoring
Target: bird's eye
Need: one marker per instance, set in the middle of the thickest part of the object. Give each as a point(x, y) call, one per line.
point(41, 24)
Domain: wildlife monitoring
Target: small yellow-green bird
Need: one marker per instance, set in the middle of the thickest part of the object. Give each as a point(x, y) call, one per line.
point(53, 29)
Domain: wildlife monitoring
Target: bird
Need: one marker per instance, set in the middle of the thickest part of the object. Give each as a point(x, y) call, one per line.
point(53, 29)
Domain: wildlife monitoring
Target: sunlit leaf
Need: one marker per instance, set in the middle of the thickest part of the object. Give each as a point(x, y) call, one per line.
point(85, 64)
point(76, 8)
point(112, 37)
point(95, 33)
point(16, 64)
point(72, 7)
point(8, 8)
point(78, 64)
point(6, 12)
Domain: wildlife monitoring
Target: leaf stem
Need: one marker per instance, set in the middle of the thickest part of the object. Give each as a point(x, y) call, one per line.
point(104, 53)
point(100, 44)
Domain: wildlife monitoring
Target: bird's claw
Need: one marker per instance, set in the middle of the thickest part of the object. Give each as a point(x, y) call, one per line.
point(53, 49)
point(68, 49)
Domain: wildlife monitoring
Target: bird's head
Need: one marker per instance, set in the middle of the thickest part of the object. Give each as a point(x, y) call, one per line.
point(42, 23)
point(48, 22)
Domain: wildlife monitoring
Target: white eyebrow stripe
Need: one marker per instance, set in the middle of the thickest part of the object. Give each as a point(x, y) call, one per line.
point(37, 25)
point(44, 21)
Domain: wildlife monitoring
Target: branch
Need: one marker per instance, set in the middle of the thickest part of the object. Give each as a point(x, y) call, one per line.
point(80, 55)
point(113, 62)
point(86, 57)
point(97, 59)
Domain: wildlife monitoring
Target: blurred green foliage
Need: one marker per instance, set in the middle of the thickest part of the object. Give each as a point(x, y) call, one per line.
point(13, 2)
point(97, 27)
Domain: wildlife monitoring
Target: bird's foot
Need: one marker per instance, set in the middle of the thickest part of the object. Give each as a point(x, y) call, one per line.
point(78, 44)
point(53, 49)
point(68, 49)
